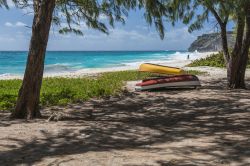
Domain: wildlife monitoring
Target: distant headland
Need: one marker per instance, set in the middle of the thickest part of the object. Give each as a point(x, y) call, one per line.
point(210, 42)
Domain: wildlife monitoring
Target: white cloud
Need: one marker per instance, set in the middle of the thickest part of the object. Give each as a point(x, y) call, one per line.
point(124, 34)
point(141, 27)
point(118, 34)
point(81, 26)
point(103, 17)
point(20, 24)
point(8, 24)
point(10, 3)
point(179, 34)
point(118, 39)
point(28, 11)
point(17, 24)
point(13, 42)
point(6, 39)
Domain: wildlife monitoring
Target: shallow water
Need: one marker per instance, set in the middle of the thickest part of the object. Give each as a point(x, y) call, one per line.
point(13, 62)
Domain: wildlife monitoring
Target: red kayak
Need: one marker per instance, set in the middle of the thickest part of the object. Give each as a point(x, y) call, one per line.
point(178, 81)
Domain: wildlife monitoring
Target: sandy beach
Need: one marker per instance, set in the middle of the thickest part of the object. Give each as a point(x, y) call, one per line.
point(109, 83)
point(178, 62)
point(207, 127)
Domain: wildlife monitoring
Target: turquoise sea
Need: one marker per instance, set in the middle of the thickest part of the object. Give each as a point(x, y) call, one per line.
point(13, 62)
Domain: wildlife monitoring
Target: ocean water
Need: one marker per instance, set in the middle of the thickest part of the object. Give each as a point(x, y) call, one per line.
point(14, 62)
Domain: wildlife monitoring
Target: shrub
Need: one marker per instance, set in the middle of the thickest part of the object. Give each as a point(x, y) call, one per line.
point(214, 60)
point(61, 91)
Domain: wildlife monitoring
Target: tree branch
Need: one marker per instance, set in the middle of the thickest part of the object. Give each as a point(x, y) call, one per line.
point(227, 13)
point(246, 42)
point(240, 33)
point(214, 12)
point(225, 43)
point(223, 26)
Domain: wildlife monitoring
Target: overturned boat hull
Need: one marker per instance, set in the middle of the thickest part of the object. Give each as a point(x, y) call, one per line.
point(178, 81)
point(159, 69)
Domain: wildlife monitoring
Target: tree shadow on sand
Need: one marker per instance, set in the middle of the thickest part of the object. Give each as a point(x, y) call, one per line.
point(145, 121)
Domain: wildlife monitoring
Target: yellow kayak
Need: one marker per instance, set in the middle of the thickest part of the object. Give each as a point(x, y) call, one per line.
point(154, 68)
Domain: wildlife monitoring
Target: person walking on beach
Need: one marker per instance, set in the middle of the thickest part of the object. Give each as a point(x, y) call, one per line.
point(188, 57)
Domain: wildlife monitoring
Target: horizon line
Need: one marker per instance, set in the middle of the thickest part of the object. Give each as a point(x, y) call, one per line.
point(89, 50)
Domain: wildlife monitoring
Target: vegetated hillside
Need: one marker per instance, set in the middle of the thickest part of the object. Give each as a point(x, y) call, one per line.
point(210, 42)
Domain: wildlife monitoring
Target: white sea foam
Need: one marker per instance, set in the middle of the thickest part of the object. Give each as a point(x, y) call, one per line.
point(187, 55)
point(135, 64)
point(159, 54)
point(174, 58)
point(61, 67)
point(5, 75)
point(177, 59)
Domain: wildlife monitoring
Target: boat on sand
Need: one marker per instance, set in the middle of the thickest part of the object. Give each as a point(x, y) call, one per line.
point(177, 81)
point(160, 69)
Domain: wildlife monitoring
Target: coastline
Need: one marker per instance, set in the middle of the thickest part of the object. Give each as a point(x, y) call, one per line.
point(178, 62)
point(153, 126)
point(181, 118)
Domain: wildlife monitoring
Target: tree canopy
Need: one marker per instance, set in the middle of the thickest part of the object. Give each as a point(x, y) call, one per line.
point(4, 3)
point(70, 15)
point(196, 12)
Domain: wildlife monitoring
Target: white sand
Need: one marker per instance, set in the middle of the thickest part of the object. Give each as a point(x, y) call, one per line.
point(207, 127)
point(177, 62)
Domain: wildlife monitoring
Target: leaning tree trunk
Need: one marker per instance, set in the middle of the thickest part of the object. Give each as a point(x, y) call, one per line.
point(236, 66)
point(28, 98)
point(236, 70)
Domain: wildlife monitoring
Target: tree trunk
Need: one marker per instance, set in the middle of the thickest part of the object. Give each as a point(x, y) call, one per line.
point(224, 42)
point(236, 67)
point(29, 94)
point(236, 70)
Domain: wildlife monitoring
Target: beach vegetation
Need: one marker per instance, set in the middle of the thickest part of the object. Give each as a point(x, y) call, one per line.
point(197, 13)
point(213, 60)
point(70, 16)
point(62, 91)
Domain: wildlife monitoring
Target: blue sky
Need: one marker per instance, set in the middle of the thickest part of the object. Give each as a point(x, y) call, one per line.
point(134, 35)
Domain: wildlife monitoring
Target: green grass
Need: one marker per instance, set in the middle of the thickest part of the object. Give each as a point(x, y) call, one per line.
point(61, 91)
point(196, 72)
point(214, 60)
